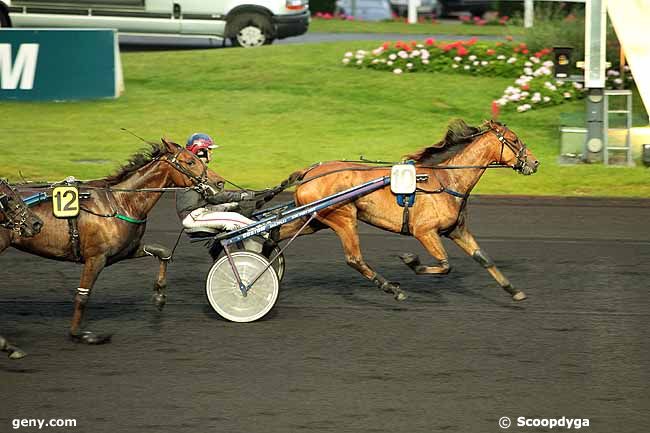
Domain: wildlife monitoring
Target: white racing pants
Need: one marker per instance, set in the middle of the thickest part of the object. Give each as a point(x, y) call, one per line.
point(223, 221)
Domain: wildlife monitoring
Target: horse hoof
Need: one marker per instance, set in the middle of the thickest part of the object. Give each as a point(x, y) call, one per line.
point(390, 287)
point(519, 296)
point(409, 259)
point(17, 354)
point(87, 337)
point(159, 300)
point(400, 296)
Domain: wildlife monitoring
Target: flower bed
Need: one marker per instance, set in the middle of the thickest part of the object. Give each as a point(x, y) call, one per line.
point(535, 85)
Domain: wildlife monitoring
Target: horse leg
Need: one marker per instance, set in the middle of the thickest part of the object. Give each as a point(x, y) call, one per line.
point(164, 256)
point(430, 241)
point(13, 351)
point(92, 267)
point(465, 240)
point(346, 229)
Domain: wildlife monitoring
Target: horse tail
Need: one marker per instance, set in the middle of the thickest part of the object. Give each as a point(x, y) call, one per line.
point(294, 178)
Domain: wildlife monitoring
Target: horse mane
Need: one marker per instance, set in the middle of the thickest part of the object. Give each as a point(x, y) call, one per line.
point(136, 162)
point(459, 135)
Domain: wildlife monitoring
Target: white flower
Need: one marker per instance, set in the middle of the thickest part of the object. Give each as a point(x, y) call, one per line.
point(483, 63)
point(359, 62)
point(403, 54)
point(466, 67)
point(577, 85)
point(534, 59)
point(397, 71)
point(528, 64)
point(346, 61)
point(548, 64)
point(378, 51)
point(550, 86)
point(523, 108)
point(528, 71)
point(514, 97)
point(359, 56)
point(419, 46)
point(618, 81)
point(501, 57)
point(425, 54)
point(567, 95)
point(392, 57)
point(425, 61)
point(362, 52)
point(472, 58)
point(536, 97)
point(458, 59)
point(375, 61)
point(559, 82)
point(415, 53)
point(502, 101)
point(546, 98)
point(409, 65)
point(475, 63)
point(613, 73)
point(512, 59)
point(348, 54)
point(454, 66)
point(524, 94)
point(389, 63)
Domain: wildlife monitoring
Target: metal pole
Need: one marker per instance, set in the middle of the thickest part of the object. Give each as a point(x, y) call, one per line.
point(413, 11)
point(595, 20)
point(528, 13)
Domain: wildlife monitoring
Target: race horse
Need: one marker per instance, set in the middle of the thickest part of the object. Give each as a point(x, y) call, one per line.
point(454, 166)
point(112, 222)
point(16, 217)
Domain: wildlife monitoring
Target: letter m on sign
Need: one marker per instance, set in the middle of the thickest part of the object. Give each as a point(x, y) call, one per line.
point(23, 69)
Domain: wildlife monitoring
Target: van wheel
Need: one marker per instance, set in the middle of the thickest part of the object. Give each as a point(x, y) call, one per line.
point(4, 19)
point(250, 30)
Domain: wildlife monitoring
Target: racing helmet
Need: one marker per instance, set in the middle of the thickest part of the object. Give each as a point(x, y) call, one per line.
point(200, 144)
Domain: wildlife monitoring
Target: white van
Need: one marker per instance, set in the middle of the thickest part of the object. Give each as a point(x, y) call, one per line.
point(247, 23)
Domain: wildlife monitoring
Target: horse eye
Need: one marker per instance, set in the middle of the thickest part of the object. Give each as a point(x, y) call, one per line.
point(191, 162)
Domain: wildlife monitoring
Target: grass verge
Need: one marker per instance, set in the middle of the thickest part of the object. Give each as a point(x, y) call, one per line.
point(280, 108)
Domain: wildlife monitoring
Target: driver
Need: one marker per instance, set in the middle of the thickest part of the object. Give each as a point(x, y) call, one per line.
point(213, 209)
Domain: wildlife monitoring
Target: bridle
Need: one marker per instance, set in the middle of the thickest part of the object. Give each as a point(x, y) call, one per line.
point(199, 181)
point(15, 217)
point(517, 147)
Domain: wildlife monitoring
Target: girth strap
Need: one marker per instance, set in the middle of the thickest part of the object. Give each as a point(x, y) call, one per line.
point(405, 222)
point(75, 246)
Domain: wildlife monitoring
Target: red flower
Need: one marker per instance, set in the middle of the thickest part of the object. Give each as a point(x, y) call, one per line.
point(430, 41)
point(522, 45)
point(461, 51)
point(495, 110)
point(471, 42)
point(508, 38)
point(524, 51)
point(385, 45)
point(498, 44)
point(447, 47)
point(515, 49)
point(490, 52)
point(414, 44)
point(525, 87)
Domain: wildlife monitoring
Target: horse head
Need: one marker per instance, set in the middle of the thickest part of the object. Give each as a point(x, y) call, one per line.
point(511, 151)
point(189, 170)
point(14, 213)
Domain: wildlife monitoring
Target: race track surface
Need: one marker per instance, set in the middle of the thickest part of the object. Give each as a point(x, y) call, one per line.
point(338, 355)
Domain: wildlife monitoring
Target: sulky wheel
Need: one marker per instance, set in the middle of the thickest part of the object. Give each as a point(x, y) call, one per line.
point(225, 295)
point(267, 248)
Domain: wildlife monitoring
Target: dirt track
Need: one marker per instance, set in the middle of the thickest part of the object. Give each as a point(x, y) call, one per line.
point(338, 355)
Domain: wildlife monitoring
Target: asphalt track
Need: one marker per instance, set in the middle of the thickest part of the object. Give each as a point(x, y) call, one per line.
point(336, 354)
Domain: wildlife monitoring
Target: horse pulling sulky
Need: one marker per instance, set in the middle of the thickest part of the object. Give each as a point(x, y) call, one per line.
point(108, 225)
point(425, 197)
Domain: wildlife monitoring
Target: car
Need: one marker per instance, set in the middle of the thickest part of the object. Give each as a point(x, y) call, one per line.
point(366, 10)
point(475, 7)
point(432, 8)
point(247, 23)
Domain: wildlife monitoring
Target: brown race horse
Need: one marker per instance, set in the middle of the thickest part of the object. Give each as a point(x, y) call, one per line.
point(454, 166)
point(16, 217)
point(112, 222)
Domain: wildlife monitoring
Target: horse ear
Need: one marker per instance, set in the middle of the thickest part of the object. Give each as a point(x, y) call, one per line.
point(170, 145)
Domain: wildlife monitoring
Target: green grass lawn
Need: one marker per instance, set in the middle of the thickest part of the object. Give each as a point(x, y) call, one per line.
point(427, 28)
point(280, 108)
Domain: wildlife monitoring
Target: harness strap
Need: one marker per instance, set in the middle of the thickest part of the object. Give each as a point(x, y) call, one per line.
point(73, 228)
point(405, 222)
point(128, 219)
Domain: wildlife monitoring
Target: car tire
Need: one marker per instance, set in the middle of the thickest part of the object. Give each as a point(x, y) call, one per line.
point(250, 30)
point(4, 19)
